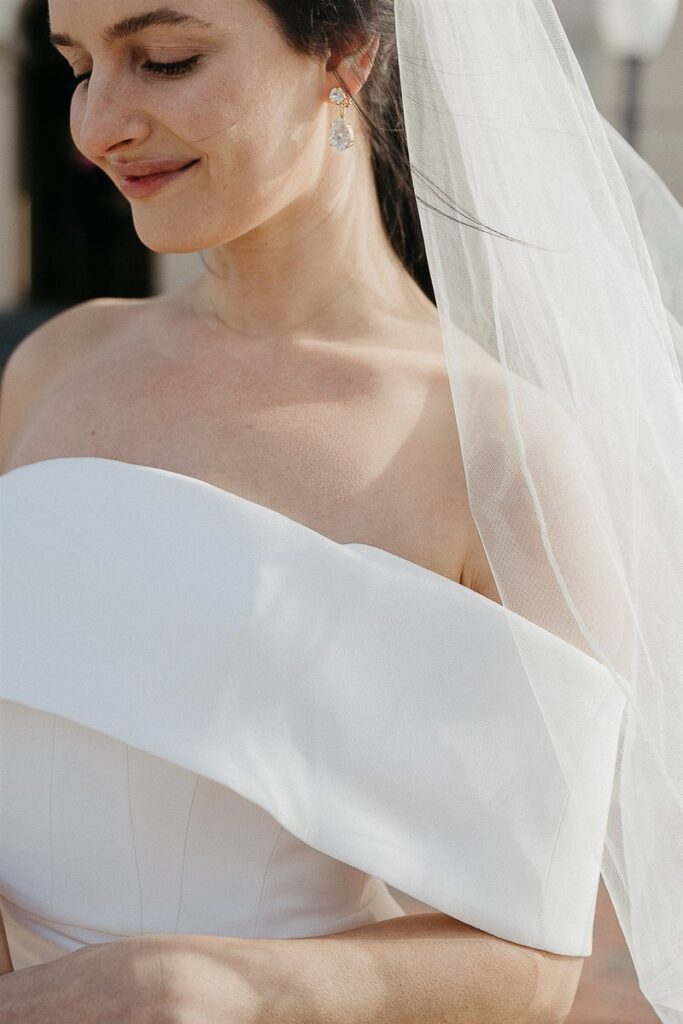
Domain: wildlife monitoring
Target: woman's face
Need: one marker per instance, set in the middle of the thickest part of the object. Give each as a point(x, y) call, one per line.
point(236, 99)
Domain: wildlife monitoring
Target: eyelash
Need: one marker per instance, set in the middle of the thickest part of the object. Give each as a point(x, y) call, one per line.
point(179, 67)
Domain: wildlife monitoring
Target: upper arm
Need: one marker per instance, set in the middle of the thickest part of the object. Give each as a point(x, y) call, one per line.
point(37, 360)
point(557, 981)
point(560, 478)
point(541, 982)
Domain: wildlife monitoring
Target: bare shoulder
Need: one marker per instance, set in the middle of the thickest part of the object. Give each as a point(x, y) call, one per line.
point(508, 408)
point(543, 473)
point(41, 359)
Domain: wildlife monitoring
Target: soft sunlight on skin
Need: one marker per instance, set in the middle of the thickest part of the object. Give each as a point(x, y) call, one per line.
point(249, 109)
point(295, 228)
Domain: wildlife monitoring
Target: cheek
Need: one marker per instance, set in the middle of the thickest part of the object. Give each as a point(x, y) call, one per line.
point(252, 133)
point(262, 103)
point(217, 108)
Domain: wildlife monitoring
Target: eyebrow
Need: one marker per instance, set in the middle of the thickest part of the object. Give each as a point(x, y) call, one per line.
point(136, 23)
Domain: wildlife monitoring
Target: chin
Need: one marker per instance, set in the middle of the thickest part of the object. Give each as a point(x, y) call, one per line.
point(179, 237)
point(172, 248)
point(174, 239)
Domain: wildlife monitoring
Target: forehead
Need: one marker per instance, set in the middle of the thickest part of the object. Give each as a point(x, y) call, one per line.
point(117, 19)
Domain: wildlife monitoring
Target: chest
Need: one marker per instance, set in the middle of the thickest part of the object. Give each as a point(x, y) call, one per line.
point(355, 447)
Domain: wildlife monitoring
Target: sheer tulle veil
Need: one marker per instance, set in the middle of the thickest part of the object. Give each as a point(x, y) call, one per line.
point(572, 433)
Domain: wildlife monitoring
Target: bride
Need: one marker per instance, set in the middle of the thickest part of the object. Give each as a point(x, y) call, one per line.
point(308, 348)
point(258, 478)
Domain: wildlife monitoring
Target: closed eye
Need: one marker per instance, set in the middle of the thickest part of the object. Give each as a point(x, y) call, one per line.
point(179, 67)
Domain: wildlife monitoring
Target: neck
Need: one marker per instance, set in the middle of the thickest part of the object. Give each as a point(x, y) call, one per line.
point(322, 267)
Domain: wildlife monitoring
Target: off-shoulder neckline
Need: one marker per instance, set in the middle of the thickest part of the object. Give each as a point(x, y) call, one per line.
point(295, 524)
point(239, 499)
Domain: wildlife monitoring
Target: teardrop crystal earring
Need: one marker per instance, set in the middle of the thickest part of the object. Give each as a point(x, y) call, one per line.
point(341, 132)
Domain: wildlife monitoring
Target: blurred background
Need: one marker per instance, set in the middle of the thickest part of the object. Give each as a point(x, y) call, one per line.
point(66, 236)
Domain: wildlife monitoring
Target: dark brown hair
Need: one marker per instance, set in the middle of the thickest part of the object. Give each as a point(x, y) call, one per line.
point(318, 28)
point(342, 27)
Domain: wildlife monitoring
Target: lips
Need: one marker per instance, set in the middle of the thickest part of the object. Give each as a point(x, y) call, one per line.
point(136, 169)
point(140, 186)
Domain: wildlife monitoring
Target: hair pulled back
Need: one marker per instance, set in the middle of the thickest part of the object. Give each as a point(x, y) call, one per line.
point(320, 28)
point(317, 27)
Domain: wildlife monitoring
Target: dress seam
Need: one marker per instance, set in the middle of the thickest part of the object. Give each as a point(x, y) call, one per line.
point(52, 844)
point(132, 832)
point(187, 834)
point(257, 921)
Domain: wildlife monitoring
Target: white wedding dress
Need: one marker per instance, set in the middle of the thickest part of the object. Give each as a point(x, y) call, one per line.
point(215, 720)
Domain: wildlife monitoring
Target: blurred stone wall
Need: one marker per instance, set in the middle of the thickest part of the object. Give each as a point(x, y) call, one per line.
point(660, 136)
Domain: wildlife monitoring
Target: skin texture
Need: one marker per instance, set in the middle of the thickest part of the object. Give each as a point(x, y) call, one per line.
point(294, 228)
point(425, 967)
point(294, 235)
point(100, 984)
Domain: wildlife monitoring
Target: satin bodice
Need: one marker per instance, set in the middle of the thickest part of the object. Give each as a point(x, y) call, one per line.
point(214, 719)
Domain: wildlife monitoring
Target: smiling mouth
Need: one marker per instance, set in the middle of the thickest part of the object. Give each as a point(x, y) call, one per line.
point(142, 186)
point(158, 174)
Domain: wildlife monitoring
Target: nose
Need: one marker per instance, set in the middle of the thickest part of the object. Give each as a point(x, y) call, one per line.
point(107, 116)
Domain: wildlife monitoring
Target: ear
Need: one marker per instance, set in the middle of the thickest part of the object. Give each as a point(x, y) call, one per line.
point(351, 70)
